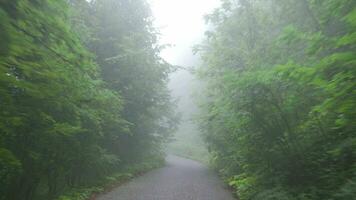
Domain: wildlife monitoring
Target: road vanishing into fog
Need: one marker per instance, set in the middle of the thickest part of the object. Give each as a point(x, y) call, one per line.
point(180, 179)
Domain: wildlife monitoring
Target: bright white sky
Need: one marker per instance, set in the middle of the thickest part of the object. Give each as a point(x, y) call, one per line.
point(181, 24)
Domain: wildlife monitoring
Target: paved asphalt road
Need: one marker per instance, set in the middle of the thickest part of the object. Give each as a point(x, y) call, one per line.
point(180, 179)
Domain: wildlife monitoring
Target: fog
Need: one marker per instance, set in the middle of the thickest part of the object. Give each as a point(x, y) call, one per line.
point(181, 25)
point(89, 110)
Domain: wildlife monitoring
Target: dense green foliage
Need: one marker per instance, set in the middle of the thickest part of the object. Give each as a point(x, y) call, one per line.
point(82, 94)
point(280, 110)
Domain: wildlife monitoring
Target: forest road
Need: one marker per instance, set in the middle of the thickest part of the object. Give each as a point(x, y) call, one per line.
point(180, 179)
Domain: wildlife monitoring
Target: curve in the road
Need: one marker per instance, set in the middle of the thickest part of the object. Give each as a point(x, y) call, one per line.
point(180, 179)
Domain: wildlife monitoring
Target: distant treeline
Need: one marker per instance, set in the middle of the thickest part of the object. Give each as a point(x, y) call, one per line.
point(82, 94)
point(280, 110)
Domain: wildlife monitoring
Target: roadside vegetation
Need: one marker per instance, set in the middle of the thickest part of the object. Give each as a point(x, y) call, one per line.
point(280, 108)
point(83, 96)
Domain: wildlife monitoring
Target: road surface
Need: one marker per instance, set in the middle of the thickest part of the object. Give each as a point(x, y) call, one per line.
point(180, 179)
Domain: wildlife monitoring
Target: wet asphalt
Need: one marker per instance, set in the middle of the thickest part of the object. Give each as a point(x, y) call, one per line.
point(180, 179)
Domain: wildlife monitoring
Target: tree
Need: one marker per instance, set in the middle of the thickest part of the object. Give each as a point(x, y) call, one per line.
point(280, 109)
point(65, 122)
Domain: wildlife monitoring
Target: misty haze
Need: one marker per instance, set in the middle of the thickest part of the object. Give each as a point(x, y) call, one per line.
point(177, 100)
